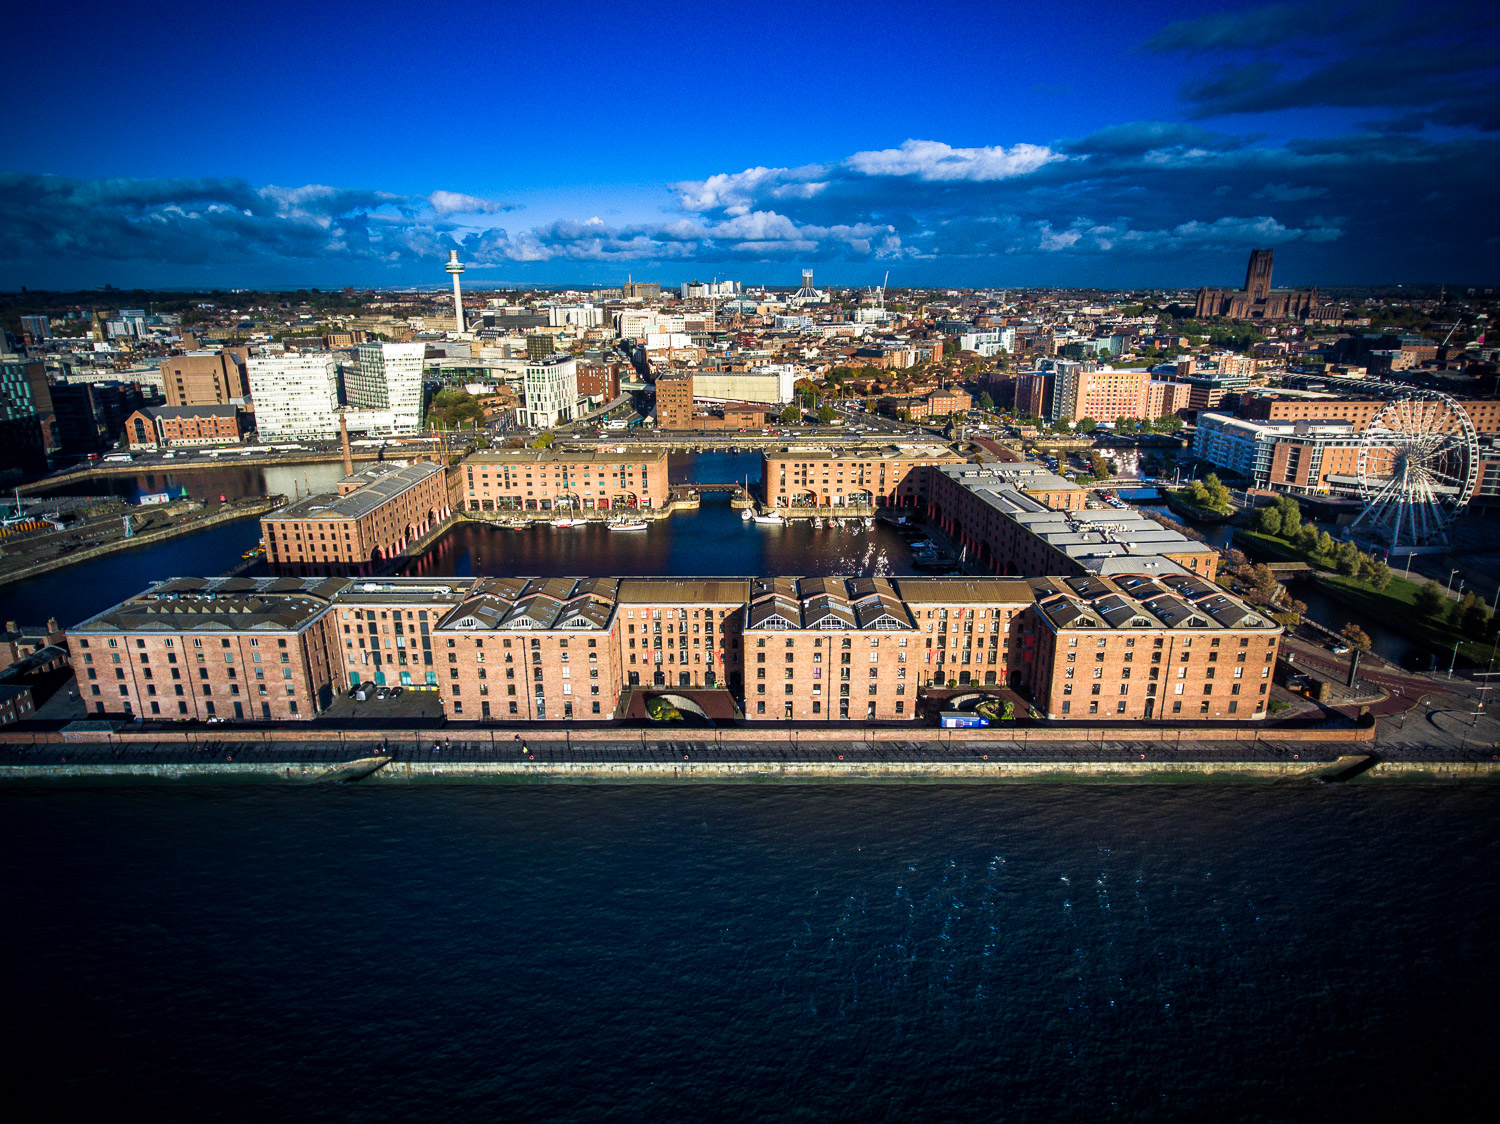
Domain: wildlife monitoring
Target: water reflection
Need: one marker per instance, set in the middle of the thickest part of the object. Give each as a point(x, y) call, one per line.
point(230, 481)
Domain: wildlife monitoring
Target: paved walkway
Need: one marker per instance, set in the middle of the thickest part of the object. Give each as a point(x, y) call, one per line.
point(927, 751)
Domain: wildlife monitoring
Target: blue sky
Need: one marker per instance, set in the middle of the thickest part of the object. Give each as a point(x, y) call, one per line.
point(1094, 144)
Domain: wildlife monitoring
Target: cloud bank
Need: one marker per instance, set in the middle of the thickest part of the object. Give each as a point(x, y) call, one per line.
point(1402, 188)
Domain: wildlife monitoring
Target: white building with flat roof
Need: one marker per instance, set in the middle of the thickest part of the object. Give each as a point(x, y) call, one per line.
point(988, 341)
point(550, 392)
point(387, 378)
point(772, 385)
point(295, 395)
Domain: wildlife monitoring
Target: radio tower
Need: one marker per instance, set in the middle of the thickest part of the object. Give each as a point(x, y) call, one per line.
point(456, 267)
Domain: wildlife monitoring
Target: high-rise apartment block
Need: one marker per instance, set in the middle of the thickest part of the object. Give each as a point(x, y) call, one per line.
point(28, 425)
point(296, 395)
point(551, 392)
point(387, 382)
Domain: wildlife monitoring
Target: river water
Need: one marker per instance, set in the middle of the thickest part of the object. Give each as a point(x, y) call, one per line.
point(821, 952)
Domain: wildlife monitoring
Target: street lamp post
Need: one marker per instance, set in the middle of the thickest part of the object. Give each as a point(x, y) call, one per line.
point(1448, 586)
point(1453, 662)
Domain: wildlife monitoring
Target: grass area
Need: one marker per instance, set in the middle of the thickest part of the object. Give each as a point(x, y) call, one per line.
point(1253, 542)
point(1200, 511)
point(1395, 606)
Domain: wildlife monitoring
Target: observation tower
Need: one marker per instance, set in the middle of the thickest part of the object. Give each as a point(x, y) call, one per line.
point(455, 267)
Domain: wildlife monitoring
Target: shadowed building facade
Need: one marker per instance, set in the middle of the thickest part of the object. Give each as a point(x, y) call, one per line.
point(1257, 300)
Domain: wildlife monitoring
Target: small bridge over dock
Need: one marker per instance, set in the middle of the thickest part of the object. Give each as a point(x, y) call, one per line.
point(1281, 569)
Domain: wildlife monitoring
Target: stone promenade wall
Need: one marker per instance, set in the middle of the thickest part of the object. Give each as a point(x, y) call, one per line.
point(774, 735)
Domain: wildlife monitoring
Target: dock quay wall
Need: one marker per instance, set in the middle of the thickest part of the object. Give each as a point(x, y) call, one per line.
point(230, 458)
point(729, 772)
point(228, 513)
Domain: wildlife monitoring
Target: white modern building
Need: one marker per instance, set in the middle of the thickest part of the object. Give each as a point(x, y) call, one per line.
point(550, 392)
point(295, 395)
point(388, 378)
point(584, 315)
point(773, 385)
point(988, 341)
point(708, 290)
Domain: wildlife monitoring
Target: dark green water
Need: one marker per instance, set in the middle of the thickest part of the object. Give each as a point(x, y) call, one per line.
point(821, 952)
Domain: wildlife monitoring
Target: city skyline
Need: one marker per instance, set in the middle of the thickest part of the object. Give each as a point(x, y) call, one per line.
point(983, 145)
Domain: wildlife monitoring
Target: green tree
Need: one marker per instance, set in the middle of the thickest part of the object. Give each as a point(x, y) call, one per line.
point(1085, 425)
point(1346, 559)
point(826, 413)
point(1218, 494)
point(1325, 545)
point(1380, 576)
point(1291, 516)
point(1167, 423)
point(455, 408)
point(1429, 599)
point(791, 415)
point(1457, 608)
point(1476, 620)
point(1268, 520)
point(1307, 538)
point(986, 402)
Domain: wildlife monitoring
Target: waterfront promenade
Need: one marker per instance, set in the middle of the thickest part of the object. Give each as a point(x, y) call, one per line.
point(729, 755)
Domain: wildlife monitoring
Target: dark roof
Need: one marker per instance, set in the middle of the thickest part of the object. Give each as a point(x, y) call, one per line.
point(191, 411)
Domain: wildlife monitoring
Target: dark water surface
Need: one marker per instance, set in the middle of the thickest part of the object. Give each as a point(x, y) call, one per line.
point(712, 541)
point(77, 592)
point(820, 952)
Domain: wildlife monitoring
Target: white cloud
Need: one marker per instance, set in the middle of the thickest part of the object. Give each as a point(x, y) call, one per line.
point(735, 193)
point(935, 161)
point(446, 203)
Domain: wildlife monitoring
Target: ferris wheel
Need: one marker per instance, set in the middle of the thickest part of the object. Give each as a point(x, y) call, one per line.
point(1418, 468)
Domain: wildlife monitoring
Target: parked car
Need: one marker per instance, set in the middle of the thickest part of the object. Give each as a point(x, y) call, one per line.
point(396, 691)
point(382, 692)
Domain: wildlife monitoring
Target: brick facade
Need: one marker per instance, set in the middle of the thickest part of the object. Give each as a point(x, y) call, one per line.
point(842, 477)
point(521, 650)
point(368, 523)
point(545, 480)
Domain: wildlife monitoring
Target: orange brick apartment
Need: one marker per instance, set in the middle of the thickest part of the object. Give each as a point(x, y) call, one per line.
point(885, 477)
point(555, 480)
point(378, 513)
